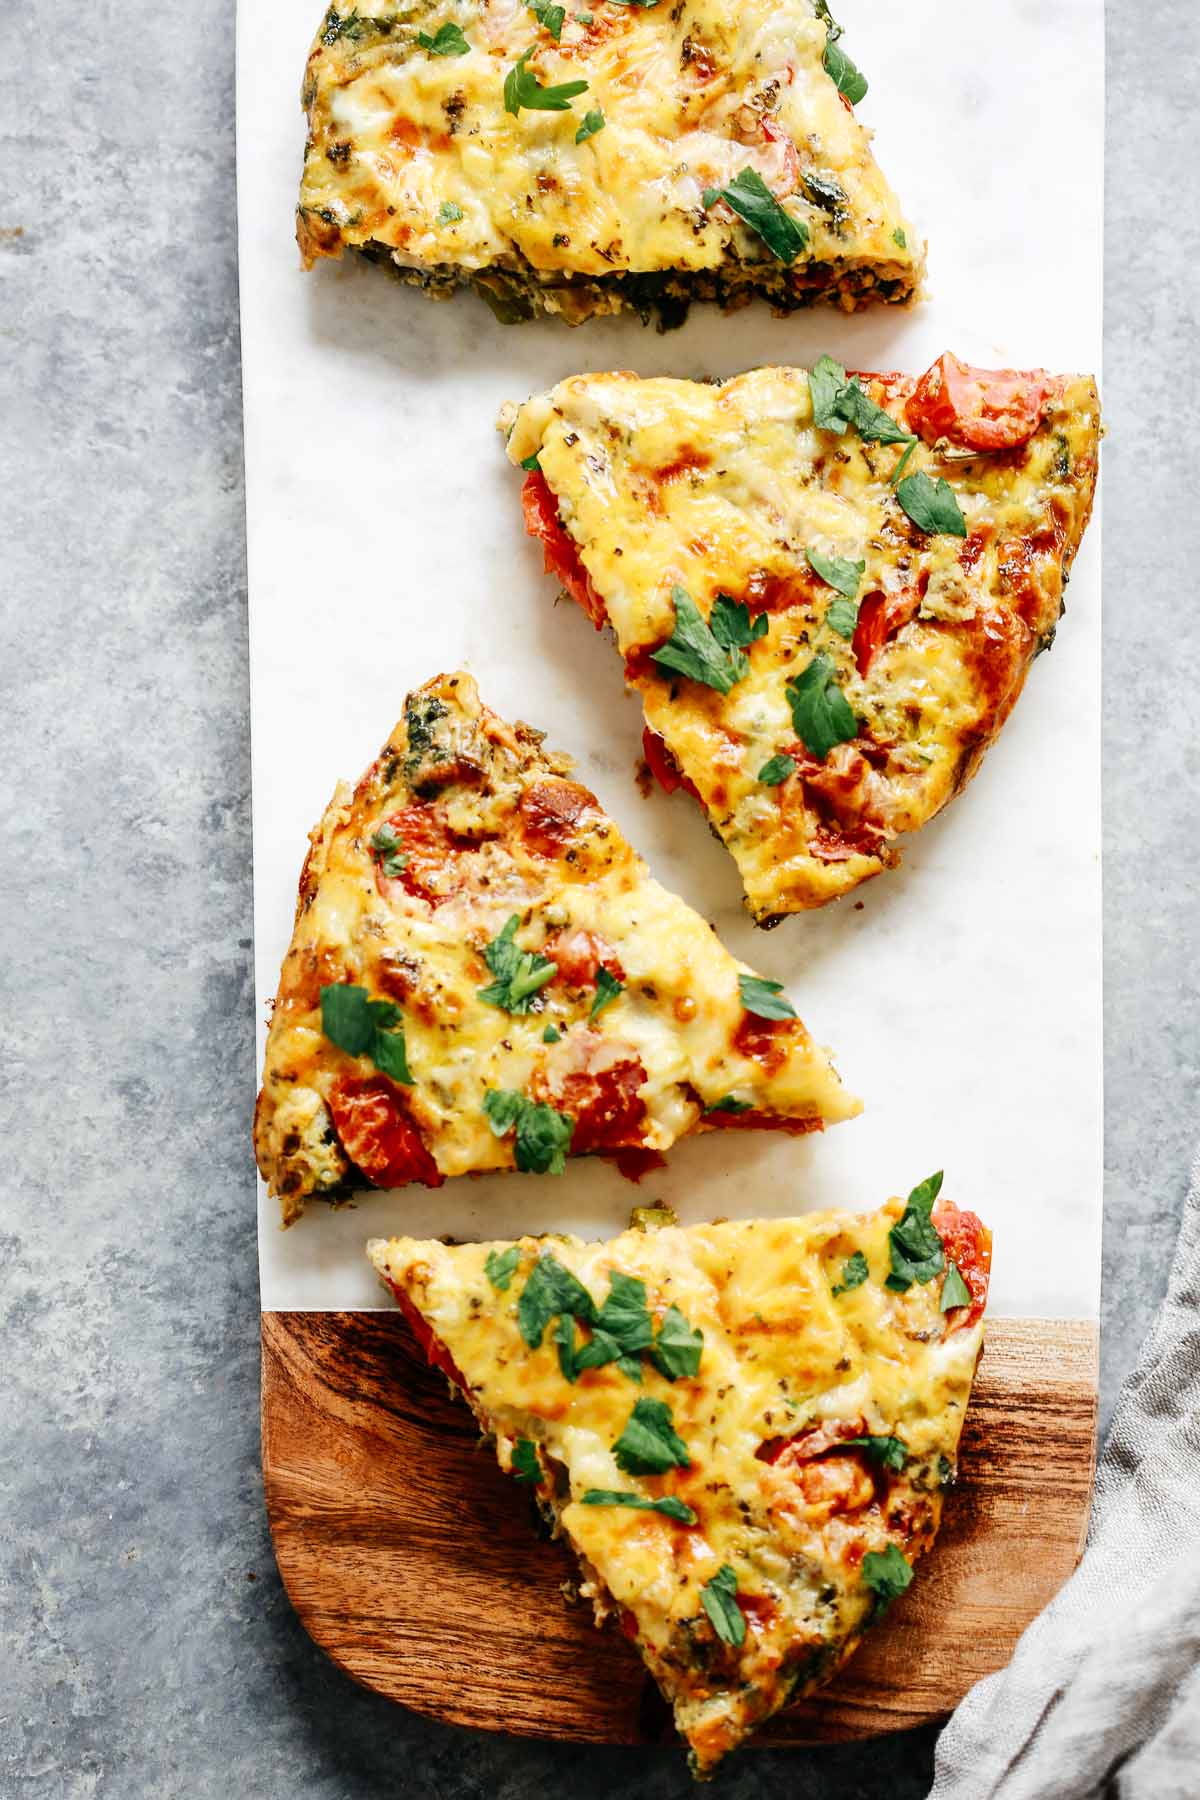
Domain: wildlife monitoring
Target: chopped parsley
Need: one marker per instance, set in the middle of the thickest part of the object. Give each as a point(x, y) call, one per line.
point(649, 1444)
point(593, 122)
point(846, 76)
point(888, 1452)
point(719, 1600)
point(839, 401)
point(765, 999)
point(826, 380)
point(931, 504)
point(855, 1270)
point(543, 1136)
point(838, 571)
point(501, 1265)
point(841, 615)
point(550, 1291)
point(386, 849)
point(447, 40)
point(712, 650)
point(752, 200)
point(354, 26)
point(899, 238)
point(913, 1243)
point(729, 1105)
point(550, 16)
point(364, 1027)
point(668, 1505)
point(955, 1291)
point(519, 973)
point(525, 1465)
point(677, 1348)
point(523, 89)
point(821, 712)
point(449, 213)
point(777, 768)
point(551, 1034)
point(887, 1573)
point(531, 464)
point(607, 989)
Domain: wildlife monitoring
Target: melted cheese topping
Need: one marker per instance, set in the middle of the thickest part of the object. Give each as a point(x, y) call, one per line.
point(722, 489)
point(414, 152)
point(468, 796)
point(783, 1358)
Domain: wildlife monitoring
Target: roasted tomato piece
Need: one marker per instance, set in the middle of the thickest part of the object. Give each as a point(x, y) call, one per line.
point(558, 547)
point(881, 616)
point(605, 1104)
point(968, 1244)
point(378, 1135)
point(551, 812)
point(837, 1483)
point(580, 955)
point(430, 850)
point(663, 767)
point(981, 409)
point(436, 1353)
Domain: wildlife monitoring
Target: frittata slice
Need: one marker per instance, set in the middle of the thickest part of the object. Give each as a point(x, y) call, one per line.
point(580, 159)
point(743, 1430)
point(827, 589)
point(484, 975)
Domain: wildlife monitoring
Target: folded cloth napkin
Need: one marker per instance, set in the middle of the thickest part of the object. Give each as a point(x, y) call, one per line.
point(1103, 1694)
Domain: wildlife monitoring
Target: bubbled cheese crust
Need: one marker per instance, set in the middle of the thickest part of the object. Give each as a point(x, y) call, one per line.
point(413, 156)
point(722, 488)
point(783, 1358)
point(493, 827)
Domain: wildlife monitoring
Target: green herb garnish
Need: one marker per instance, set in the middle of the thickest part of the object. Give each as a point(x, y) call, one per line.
point(838, 571)
point(364, 1027)
point(386, 849)
point(501, 1266)
point(777, 769)
point(888, 1452)
point(847, 78)
point(551, 1034)
point(712, 650)
point(820, 711)
point(523, 89)
point(449, 213)
point(754, 203)
point(447, 40)
point(899, 238)
point(519, 973)
point(955, 1291)
point(887, 1573)
point(719, 1600)
point(525, 1465)
point(550, 1291)
point(913, 1242)
point(607, 989)
point(547, 15)
point(729, 1105)
point(677, 1348)
point(592, 123)
point(855, 1271)
point(530, 463)
point(649, 1444)
point(669, 1506)
point(543, 1136)
point(841, 615)
point(765, 999)
point(931, 504)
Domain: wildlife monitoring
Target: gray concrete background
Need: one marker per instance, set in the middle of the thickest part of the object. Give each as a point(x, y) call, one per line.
point(146, 1647)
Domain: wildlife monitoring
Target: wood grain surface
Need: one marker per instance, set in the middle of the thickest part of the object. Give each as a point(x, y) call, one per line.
point(426, 1575)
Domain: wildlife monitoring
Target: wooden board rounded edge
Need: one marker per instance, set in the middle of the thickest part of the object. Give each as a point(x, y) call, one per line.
point(422, 1572)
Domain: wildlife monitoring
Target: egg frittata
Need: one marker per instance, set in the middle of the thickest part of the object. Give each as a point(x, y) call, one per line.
point(594, 157)
point(483, 975)
point(743, 1430)
point(827, 588)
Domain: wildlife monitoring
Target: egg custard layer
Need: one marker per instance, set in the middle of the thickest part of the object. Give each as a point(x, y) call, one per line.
point(582, 159)
point(484, 975)
point(827, 588)
point(744, 1430)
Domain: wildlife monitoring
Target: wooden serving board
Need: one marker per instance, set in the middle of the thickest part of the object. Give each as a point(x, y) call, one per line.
point(419, 1568)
